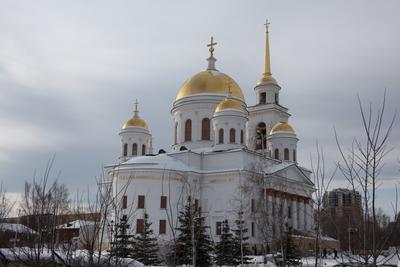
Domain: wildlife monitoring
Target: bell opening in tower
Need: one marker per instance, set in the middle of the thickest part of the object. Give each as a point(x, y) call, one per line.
point(261, 138)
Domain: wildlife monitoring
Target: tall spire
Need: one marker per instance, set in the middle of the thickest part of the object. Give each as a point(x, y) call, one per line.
point(211, 59)
point(136, 110)
point(267, 75)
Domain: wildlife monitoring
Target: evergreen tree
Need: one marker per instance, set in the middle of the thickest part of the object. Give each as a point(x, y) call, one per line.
point(184, 242)
point(291, 253)
point(123, 244)
point(203, 243)
point(240, 249)
point(224, 249)
point(146, 245)
point(193, 237)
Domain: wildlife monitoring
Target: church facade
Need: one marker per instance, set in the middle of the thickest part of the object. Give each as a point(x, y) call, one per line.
point(227, 156)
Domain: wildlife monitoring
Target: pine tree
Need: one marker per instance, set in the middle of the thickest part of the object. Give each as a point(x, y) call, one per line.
point(203, 243)
point(146, 245)
point(241, 249)
point(184, 242)
point(224, 249)
point(192, 229)
point(290, 250)
point(123, 244)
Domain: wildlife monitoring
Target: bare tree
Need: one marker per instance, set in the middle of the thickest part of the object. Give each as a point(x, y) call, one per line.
point(5, 204)
point(43, 204)
point(322, 183)
point(362, 165)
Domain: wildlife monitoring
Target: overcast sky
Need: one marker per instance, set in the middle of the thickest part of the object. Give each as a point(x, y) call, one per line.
point(70, 72)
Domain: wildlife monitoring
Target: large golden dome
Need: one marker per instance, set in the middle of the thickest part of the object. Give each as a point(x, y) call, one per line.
point(210, 81)
point(282, 127)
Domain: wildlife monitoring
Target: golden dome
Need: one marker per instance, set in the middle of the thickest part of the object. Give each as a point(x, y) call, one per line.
point(229, 103)
point(282, 127)
point(135, 121)
point(210, 81)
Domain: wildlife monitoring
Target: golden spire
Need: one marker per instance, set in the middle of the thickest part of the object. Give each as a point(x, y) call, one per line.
point(211, 59)
point(267, 75)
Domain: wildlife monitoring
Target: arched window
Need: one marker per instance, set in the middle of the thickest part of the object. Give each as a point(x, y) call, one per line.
point(241, 137)
point(205, 129)
point(176, 133)
point(134, 149)
point(183, 148)
point(125, 150)
point(143, 149)
point(261, 136)
point(188, 130)
point(232, 137)
point(221, 136)
point(286, 154)
point(276, 153)
point(294, 154)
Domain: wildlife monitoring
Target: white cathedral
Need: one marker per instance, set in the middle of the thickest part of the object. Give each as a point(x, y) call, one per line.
point(220, 146)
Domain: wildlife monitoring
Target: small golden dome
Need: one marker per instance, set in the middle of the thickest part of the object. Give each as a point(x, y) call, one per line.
point(229, 103)
point(282, 127)
point(135, 121)
point(210, 81)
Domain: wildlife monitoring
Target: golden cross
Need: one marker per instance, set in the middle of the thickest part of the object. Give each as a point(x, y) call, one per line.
point(136, 105)
point(266, 25)
point(211, 45)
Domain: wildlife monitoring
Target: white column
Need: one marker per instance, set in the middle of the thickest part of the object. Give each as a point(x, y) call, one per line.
point(300, 205)
point(306, 215)
point(294, 212)
point(310, 216)
point(285, 210)
point(277, 211)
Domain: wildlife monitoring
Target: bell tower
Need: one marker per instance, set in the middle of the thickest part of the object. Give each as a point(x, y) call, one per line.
point(267, 111)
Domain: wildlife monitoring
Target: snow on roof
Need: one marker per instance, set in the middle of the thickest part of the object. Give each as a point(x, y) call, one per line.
point(16, 227)
point(161, 161)
point(75, 224)
point(278, 167)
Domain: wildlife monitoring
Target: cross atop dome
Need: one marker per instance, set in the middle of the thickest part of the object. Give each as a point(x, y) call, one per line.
point(211, 46)
point(136, 110)
point(211, 59)
point(266, 26)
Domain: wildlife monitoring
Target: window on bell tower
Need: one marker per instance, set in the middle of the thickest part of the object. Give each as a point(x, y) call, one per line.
point(276, 98)
point(205, 129)
point(232, 136)
point(261, 136)
point(286, 154)
point(221, 136)
point(276, 156)
point(263, 97)
point(188, 130)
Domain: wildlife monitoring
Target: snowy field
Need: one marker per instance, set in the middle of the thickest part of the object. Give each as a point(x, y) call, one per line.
point(257, 261)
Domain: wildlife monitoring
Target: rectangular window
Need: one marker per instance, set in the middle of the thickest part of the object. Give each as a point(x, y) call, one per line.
point(218, 228)
point(125, 202)
point(139, 226)
point(196, 204)
point(289, 211)
point(141, 202)
point(263, 97)
point(163, 226)
point(253, 230)
point(253, 205)
point(163, 202)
